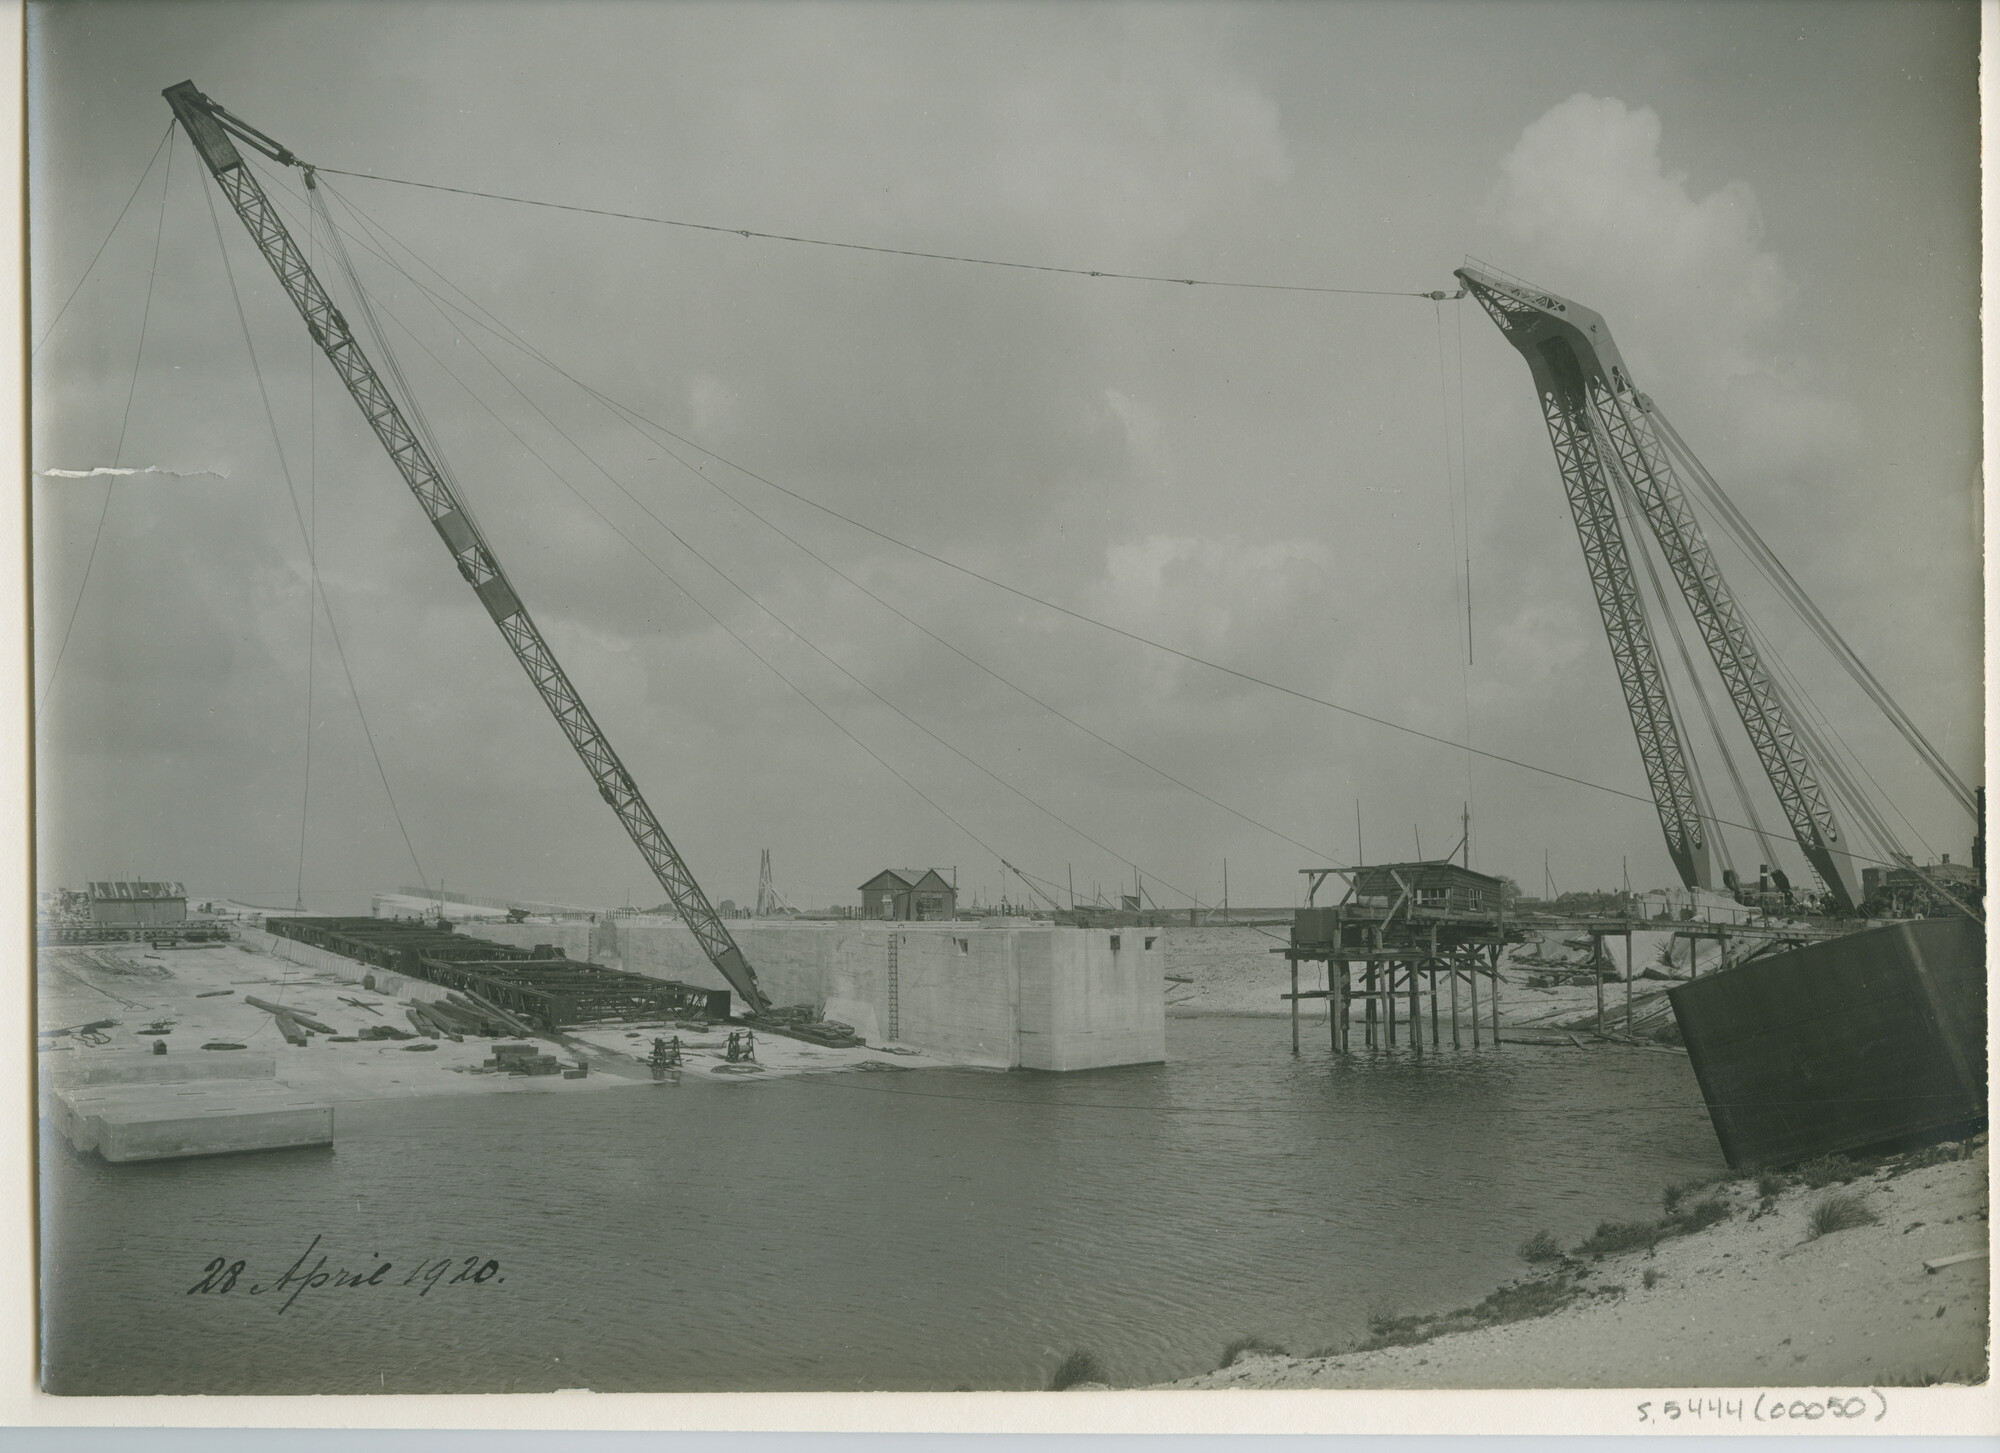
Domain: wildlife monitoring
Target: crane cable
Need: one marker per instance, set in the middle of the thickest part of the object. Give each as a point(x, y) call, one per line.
point(748, 232)
point(382, 342)
point(1774, 570)
point(502, 331)
point(354, 283)
point(747, 595)
point(967, 571)
point(312, 589)
point(640, 424)
point(1634, 515)
point(165, 137)
point(291, 493)
point(125, 421)
point(1106, 626)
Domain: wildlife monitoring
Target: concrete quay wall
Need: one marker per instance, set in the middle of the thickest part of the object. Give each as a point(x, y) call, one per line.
point(1005, 994)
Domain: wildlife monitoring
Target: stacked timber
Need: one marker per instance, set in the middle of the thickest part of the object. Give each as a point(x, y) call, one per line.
point(383, 1031)
point(491, 1014)
point(294, 1024)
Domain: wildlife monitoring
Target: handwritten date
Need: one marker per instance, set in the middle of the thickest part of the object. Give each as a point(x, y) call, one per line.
point(223, 1276)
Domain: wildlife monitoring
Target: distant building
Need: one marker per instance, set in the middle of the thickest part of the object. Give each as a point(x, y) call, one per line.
point(137, 905)
point(915, 894)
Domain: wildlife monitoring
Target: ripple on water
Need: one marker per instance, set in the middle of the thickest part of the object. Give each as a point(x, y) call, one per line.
point(856, 1231)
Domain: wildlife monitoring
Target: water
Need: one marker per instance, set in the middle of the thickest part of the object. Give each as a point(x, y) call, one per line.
point(861, 1231)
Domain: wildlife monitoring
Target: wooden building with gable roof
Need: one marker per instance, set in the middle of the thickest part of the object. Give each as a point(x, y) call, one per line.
point(910, 895)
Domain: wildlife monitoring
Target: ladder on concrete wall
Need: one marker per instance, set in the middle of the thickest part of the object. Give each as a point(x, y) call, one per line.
point(895, 1015)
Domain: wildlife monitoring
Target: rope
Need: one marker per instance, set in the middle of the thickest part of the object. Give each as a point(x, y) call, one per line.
point(124, 423)
point(291, 493)
point(748, 232)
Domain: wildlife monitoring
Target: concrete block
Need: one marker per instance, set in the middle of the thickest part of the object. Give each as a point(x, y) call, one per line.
point(1005, 993)
point(128, 1124)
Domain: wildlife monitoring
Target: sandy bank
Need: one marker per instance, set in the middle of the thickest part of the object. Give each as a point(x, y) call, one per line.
point(1750, 1301)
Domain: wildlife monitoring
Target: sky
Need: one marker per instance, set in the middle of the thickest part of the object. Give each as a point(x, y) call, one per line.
point(1774, 206)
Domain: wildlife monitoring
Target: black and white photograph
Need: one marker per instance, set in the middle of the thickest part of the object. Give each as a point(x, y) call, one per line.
point(1045, 698)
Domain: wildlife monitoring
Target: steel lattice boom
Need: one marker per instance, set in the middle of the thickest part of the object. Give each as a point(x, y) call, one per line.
point(209, 127)
point(1603, 435)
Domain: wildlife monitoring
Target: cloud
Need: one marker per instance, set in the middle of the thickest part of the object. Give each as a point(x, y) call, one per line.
point(1586, 204)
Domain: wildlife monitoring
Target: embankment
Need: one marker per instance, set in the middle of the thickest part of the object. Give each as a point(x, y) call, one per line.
point(1736, 1287)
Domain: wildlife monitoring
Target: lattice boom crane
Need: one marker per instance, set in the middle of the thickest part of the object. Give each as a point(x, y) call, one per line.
point(1605, 444)
point(210, 128)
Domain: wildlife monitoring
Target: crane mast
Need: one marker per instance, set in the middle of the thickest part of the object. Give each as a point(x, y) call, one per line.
point(1604, 439)
point(211, 128)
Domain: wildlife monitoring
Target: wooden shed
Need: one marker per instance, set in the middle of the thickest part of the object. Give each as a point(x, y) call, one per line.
point(912, 894)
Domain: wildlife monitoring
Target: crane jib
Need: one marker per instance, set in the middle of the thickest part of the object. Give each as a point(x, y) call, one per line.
point(209, 128)
point(1601, 428)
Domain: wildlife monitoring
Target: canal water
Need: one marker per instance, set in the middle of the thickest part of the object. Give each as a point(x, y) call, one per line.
point(916, 1230)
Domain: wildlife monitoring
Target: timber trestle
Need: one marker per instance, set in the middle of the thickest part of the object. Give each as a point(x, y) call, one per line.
point(1388, 953)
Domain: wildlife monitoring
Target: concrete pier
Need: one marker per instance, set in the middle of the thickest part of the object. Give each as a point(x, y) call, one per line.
point(1008, 993)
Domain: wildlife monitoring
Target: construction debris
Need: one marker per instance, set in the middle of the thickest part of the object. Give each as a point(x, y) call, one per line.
point(523, 1059)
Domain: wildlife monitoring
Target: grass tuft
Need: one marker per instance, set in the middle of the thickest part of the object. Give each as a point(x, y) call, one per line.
point(1615, 1236)
point(1257, 1346)
point(1078, 1367)
point(1701, 1215)
point(1823, 1171)
point(1769, 1184)
point(1651, 1278)
point(1841, 1211)
point(1541, 1247)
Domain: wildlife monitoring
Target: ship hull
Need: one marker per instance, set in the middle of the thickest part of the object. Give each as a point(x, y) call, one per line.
point(1869, 1042)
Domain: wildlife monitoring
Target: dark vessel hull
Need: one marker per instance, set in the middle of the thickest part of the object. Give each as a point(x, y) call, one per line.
point(1873, 1041)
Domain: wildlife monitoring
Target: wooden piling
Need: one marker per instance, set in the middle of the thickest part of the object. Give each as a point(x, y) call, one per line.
point(1389, 998)
point(1416, 1012)
point(1472, 986)
point(1628, 981)
point(1597, 976)
point(1295, 1006)
point(1451, 972)
point(1496, 996)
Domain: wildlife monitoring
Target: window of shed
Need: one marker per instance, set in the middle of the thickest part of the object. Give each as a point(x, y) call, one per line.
point(1149, 943)
point(1433, 895)
point(1114, 943)
point(965, 945)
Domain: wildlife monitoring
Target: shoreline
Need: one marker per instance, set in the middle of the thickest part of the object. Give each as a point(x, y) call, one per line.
point(1731, 1288)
